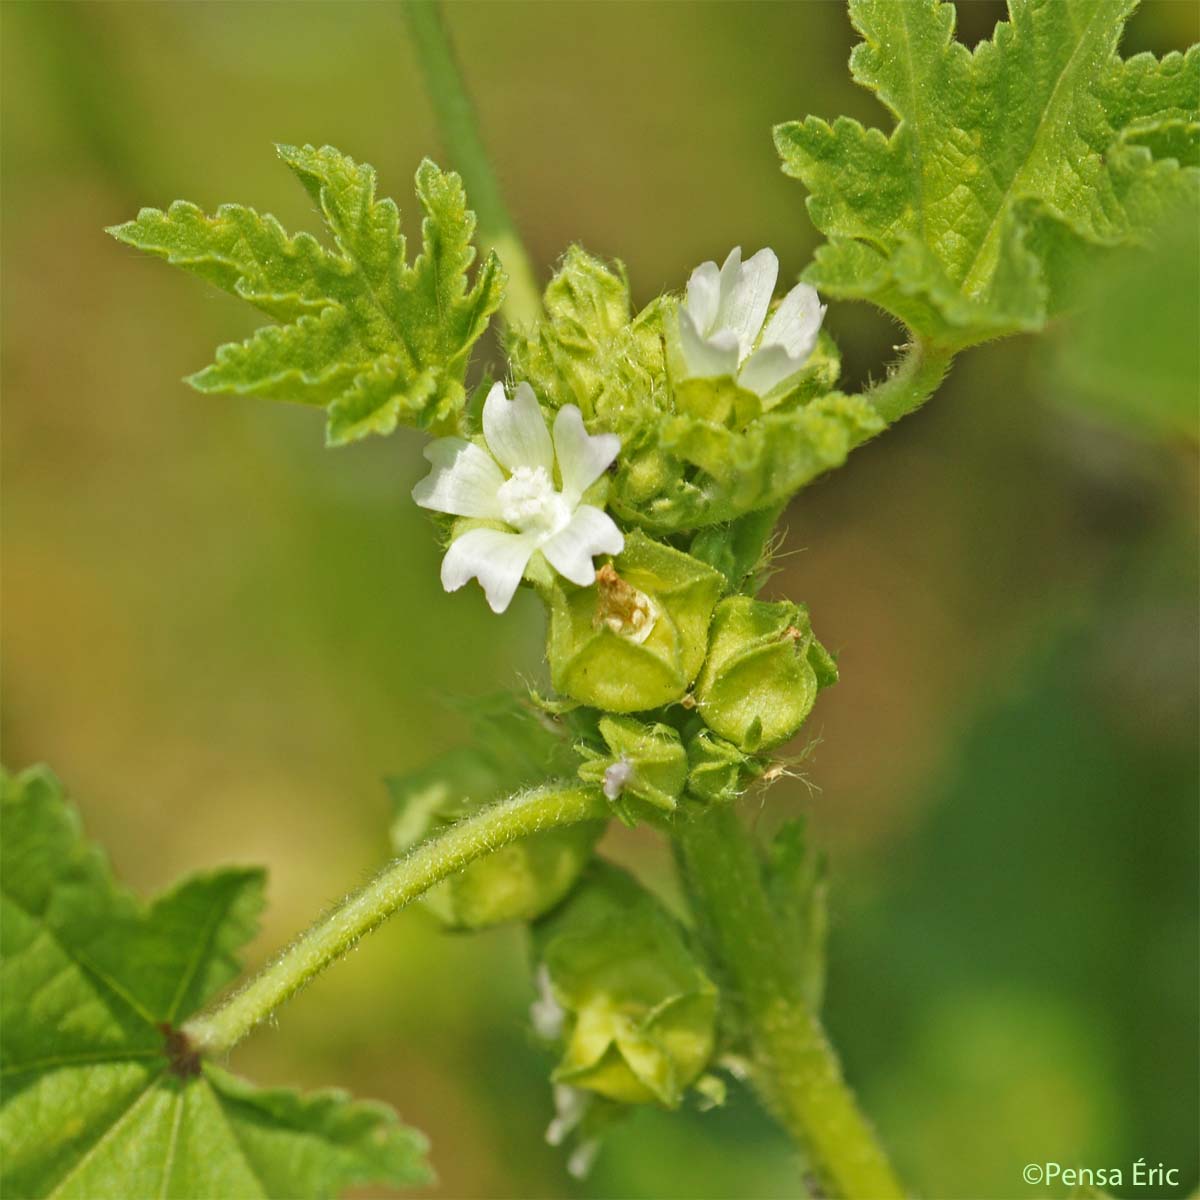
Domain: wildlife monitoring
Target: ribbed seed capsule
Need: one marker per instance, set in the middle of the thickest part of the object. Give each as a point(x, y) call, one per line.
point(763, 672)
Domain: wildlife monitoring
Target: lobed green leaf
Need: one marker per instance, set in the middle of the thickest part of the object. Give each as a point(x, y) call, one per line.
point(375, 340)
point(103, 1097)
point(1005, 164)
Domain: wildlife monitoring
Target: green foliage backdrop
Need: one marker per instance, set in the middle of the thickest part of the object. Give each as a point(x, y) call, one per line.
point(212, 627)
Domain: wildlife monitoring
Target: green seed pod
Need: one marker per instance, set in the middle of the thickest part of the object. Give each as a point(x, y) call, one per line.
point(635, 1013)
point(644, 762)
point(635, 639)
point(518, 882)
point(763, 672)
point(513, 749)
point(718, 771)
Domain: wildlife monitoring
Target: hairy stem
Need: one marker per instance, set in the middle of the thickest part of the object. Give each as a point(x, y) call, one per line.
point(794, 1068)
point(912, 381)
point(399, 883)
point(460, 131)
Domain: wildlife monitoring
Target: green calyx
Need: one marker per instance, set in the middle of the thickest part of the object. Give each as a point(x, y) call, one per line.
point(763, 672)
point(718, 772)
point(636, 1013)
point(636, 638)
point(643, 763)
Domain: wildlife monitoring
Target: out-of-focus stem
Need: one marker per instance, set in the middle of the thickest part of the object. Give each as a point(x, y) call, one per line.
point(794, 1068)
point(460, 131)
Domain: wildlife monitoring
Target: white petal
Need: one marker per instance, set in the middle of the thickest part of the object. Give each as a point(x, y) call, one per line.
point(590, 532)
point(582, 457)
point(464, 480)
point(497, 559)
point(766, 368)
point(516, 430)
point(704, 295)
point(731, 273)
point(706, 358)
point(744, 308)
point(796, 322)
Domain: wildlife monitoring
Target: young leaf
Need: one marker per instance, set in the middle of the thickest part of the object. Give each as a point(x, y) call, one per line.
point(375, 340)
point(103, 1097)
point(1006, 162)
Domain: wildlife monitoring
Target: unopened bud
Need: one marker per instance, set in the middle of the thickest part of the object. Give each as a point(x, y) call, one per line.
point(718, 772)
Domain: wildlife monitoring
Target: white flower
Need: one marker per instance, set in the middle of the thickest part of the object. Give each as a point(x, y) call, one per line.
point(513, 482)
point(721, 319)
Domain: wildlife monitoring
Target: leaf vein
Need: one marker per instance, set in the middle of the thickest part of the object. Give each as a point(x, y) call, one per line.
point(108, 1133)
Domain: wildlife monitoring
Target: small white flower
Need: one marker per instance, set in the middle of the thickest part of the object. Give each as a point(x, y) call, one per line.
point(617, 777)
point(513, 482)
point(721, 320)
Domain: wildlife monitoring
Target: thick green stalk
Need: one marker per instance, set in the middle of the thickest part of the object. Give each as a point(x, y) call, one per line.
point(912, 381)
point(460, 131)
point(395, 886)
point(794, 1068)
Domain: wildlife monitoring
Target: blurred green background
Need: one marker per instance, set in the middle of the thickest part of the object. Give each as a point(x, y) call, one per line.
point(222, 636)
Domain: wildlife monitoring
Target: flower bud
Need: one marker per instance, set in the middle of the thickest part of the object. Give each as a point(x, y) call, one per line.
point(518, 882)
point(762, 674)
point(635, 639)
point(718, 771)
point(638, 1015)
point(644, 762)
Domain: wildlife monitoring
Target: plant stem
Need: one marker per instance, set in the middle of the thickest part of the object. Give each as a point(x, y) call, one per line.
point(794, 1068)
point(402, 881)
point(460, 131)
point(912, 381)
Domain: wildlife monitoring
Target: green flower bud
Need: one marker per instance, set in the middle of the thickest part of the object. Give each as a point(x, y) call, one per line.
point(513, 749)
point(762, 674)
point(718, 771)
point(635, 639)
point(645, 762)
point(635, 1013)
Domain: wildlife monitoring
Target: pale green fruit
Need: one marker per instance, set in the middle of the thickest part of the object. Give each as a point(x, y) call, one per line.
point(763, 672)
